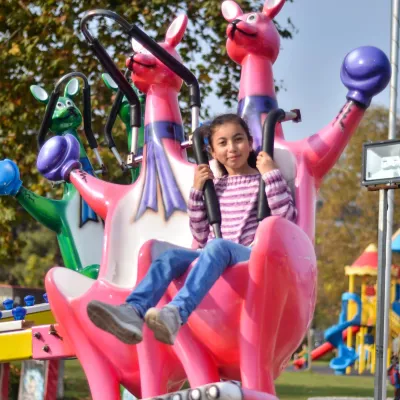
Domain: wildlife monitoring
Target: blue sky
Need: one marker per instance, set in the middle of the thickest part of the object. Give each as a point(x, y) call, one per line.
point(310, 64)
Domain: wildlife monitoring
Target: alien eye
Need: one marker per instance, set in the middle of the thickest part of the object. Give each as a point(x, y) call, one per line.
point(60, 105)
point(252, 18)
point(68, 103)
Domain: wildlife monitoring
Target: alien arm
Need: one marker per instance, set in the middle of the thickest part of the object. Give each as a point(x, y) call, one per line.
point(45, 211)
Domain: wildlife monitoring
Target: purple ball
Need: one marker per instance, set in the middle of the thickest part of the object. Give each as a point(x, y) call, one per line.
point(58, 156)
point(365, 72)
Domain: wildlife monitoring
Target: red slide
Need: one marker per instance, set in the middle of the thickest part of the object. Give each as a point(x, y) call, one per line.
point(323, 349)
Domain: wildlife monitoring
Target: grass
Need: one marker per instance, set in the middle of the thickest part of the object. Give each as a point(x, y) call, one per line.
point(304, 384)
point(75, 383)
point(290, 386)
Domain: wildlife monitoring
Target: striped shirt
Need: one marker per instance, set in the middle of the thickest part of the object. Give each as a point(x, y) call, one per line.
point(238, 203)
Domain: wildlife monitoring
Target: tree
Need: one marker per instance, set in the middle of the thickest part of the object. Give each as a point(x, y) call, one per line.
point(40, 41)
point(347, 220)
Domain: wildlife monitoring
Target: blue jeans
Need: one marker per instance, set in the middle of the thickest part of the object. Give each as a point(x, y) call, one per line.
point(212, 262)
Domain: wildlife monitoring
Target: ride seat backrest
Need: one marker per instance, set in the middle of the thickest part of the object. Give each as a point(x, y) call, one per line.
point(127, 235)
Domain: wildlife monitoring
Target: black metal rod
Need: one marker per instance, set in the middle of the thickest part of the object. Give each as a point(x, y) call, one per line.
point(46, 122)
point(116, 74)
point(87, 118)
point(113, 115)
point(269, 126)
point(210, 195)
point(109, 65)
point(87, 106)
point(87, 110)
point(133, 31)
point(171, 62)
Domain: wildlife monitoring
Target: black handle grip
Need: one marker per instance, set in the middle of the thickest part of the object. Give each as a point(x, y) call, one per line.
point(270, 122)
point(112, 118)
point(87, 110)
point(135, 114)
point(87, 118)
point(171, 62)
point(46, 122)
point(114, 72)
point(113, 115)
point(210, 195)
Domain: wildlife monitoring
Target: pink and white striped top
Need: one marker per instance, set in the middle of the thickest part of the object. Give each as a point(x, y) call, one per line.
point(238, 202)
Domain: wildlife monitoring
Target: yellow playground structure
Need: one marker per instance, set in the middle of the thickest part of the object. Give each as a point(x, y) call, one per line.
point(353, 336)
point(363, 272)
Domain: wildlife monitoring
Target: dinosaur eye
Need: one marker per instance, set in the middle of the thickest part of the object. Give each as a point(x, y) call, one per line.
point(68, 103)
point(252, 18)
point(60, 105)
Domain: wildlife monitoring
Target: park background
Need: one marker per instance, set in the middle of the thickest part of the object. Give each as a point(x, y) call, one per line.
point(40, 41)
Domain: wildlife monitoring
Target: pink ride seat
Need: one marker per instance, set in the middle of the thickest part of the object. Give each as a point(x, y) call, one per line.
point(245, 329)
point(260, 308)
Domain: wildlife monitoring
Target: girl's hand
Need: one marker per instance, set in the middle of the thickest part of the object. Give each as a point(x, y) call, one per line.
point(201, 175)
point(265, 163)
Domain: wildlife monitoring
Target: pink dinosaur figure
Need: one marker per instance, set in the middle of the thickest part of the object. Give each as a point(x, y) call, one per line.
point(255, 316)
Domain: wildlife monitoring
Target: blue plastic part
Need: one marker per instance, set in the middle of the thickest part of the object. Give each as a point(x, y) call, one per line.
point(1, 315)
point(397, 292)
point(8, 304)
point(10, 181)
point(334, 335)
point(396, 307)
point(396, 244)
point(29, 300)
point(369, 339)
point(19, 313)
point(45, 298)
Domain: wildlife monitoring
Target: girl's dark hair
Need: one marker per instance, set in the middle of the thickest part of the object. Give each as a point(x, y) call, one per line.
point(233, 119)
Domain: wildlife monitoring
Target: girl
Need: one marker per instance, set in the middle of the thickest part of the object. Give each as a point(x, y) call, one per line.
point(237, 191)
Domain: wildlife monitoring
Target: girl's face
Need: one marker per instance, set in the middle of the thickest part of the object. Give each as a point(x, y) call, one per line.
point(231, 147)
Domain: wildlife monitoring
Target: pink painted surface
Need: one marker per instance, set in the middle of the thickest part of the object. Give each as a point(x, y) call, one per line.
point(56, 346)
point(255, 316)
point(52, 380)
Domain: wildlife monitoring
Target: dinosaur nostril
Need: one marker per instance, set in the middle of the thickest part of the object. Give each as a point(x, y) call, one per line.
point(235, 21)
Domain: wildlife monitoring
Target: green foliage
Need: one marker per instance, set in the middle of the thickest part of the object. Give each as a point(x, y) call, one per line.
point(347, 222)
point(40, 41)
point(39, 254)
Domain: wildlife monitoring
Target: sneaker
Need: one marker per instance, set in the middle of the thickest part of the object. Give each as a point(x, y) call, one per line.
point(164, 322)
point(122, 321)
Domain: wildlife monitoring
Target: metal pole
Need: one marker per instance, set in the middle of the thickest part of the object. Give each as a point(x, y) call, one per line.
point(386, 204)
point(310, 347)
point(380, 367)
point(394, 56)
point(388, 271)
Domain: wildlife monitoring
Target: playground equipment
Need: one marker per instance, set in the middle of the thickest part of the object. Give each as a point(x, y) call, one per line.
point(79, 230)
point(354, 335)
point(230, 335)
point(346, 355)
point(205, 354)
point(30, 332)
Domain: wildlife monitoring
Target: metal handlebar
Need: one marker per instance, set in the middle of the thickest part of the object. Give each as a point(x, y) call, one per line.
point(153, 47)
point(273, 118)
point(87, 114)
point(210, 195)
